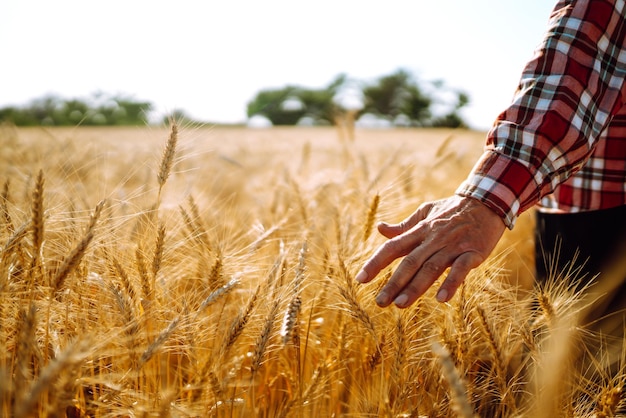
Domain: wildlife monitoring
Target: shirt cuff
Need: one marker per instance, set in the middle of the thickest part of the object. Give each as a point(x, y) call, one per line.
point(503, 184)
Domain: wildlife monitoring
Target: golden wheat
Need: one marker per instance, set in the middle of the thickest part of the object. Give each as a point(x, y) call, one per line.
point(235, 297)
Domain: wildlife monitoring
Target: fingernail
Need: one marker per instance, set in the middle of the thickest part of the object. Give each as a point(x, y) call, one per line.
point(361, 277)
point(442, 295)
point(401, 300)
point(382, 299)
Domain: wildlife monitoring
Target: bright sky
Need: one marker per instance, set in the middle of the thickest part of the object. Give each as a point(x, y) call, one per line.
point(211, 57)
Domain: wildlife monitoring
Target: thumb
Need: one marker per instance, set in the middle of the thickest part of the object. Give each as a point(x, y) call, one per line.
point(393, 230)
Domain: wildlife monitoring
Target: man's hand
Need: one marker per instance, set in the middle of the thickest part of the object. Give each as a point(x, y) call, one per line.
point(457, 232)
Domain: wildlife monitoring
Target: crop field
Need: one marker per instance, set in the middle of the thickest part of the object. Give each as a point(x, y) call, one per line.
point(209, 272)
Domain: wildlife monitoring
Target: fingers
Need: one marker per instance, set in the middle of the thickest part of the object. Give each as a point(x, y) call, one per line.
point(458, 232)
point(403, 289)
point(413, 277)
point(394, 248)
point(457, 274)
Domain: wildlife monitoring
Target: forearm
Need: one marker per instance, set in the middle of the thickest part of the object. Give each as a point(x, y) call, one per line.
point(567, 95)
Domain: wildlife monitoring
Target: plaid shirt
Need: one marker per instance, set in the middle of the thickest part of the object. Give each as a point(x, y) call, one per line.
point(562, 141)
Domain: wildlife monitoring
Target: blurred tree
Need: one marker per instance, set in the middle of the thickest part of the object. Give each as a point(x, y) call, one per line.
point(397, 94)
point(98, 110)
point(181, 117)
point(288, 105)
point(396, 97)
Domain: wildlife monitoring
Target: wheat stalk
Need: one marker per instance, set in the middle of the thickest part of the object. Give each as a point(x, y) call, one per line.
point(461, 404)
point(69, 358)
point(496, 356)
point(199, 229)
point(158, 342)
point(396, 379)
point(26, 346)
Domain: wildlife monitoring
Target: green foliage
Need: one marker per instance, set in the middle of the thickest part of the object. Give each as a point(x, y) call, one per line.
point(98, 110)
point(288, 105)
point(397, 95)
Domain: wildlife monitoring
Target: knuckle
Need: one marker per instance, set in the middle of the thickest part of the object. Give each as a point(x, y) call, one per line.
point(411, 263)
point(415, 289)
point(454, 280)
point(393, 248)
point(432, 268)
point(393, 287)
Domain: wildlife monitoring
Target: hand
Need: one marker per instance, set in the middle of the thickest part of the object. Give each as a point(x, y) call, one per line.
point(457, 232)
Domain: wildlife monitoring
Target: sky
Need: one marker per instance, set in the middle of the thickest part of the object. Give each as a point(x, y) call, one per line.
point(211, 57)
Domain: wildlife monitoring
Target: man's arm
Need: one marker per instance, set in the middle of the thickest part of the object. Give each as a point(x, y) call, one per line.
point(567, 96)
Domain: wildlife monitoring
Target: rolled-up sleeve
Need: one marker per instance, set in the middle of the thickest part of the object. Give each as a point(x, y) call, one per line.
point(567, 95)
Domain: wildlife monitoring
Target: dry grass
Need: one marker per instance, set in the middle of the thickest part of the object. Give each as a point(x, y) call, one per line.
point(217, 280)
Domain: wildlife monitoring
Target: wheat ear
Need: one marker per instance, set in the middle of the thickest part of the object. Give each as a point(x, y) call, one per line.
point(125, 281)
point(4, 206)
point(396, 381)
point(146, 282)
point(15, 239)
point(263, 339)
point(546, 306)
point(167, 159)
point(240, 322)
point(157, 257)
point(37, 226)
point(213, 296)
point(457, 387)
point(356, 310)
point(609, 401)
point(74, 257)
point(125, 305)
point(25, 347)
point(371, 217)
point(495, 349)
point(199, 229)
point(443, 147)
point(70, 357)
point(290, 319)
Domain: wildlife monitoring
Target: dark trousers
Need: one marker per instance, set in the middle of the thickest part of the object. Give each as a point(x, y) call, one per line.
point(595, 242)
point(595, 238)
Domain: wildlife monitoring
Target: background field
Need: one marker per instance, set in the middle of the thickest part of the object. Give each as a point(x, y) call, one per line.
point(216, 279)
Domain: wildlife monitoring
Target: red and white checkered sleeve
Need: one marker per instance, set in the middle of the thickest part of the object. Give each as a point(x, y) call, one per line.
point(567, 95)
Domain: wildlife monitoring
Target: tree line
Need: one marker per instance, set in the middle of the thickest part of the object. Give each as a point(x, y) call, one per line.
point(398, 98)
point(98, 110)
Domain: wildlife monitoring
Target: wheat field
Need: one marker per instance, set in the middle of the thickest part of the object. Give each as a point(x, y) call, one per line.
point(208, 272)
